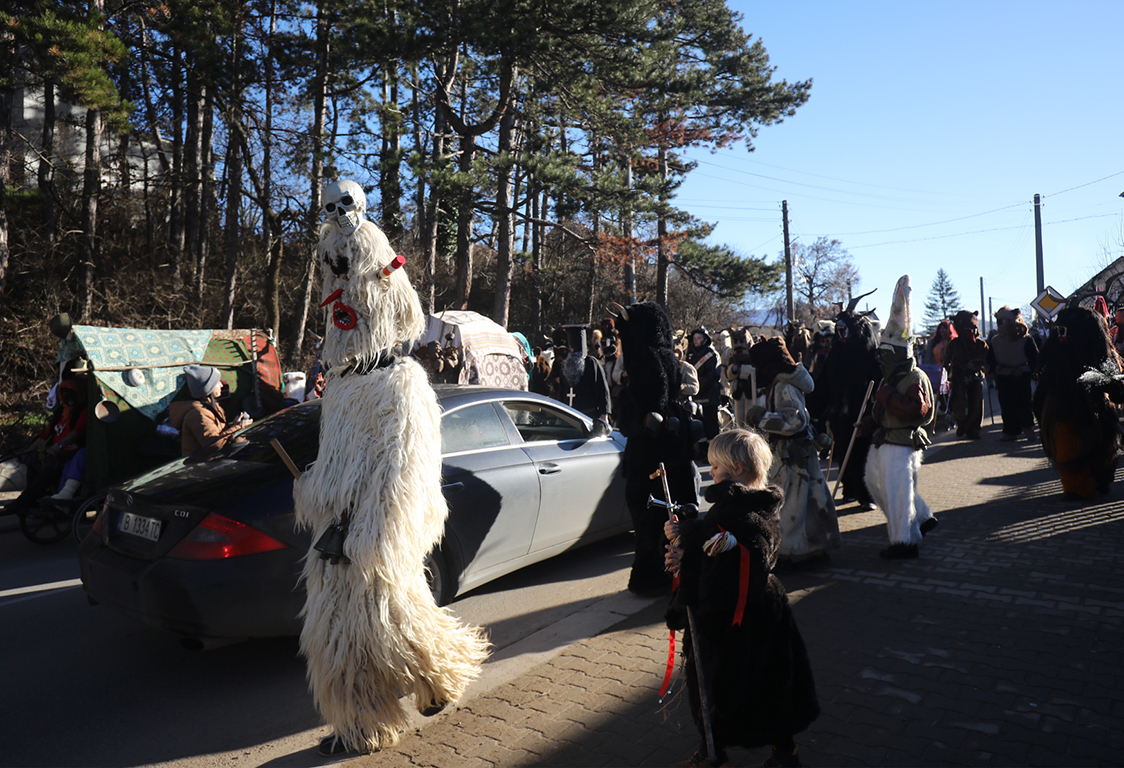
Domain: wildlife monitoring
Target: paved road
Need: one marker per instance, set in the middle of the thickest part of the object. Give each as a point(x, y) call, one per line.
point(1000, 646)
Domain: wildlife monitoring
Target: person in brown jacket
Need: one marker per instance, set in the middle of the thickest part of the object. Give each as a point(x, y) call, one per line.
point(201, 420)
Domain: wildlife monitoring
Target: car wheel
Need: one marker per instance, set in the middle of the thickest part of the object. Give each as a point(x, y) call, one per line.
point(86, 514)
point(442, 583)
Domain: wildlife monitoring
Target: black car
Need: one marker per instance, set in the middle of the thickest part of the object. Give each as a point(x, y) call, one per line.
point(206, 546)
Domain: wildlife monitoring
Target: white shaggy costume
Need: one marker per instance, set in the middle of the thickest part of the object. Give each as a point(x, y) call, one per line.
point(903, 409)
point(372, 631)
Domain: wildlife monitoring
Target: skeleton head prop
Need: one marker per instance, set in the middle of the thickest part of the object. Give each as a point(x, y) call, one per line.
point(345, 203)
point(372, 306)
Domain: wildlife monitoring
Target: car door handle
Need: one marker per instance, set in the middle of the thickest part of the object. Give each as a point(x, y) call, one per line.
point(453, 487)
point(549, 469)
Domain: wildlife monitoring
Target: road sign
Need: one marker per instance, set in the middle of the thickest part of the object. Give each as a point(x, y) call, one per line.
point(1048, 303)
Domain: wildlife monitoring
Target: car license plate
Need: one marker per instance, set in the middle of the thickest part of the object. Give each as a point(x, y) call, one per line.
point(145, 527)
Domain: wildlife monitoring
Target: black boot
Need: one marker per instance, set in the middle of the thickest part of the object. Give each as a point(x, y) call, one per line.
point(900, 552)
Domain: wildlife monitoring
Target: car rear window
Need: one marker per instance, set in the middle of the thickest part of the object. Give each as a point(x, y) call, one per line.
point(296, 428)
point(472, 428)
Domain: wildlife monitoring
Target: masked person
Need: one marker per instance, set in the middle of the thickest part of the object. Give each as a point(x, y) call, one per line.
point(1011, 356)
point(965, 357)
point(902, 412)
point(708, 364)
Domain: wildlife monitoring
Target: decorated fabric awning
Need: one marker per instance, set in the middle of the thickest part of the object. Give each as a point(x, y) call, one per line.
point(114, 353)
point(478, 335)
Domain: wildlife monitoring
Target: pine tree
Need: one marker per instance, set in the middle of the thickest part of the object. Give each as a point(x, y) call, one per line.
point(943, 301)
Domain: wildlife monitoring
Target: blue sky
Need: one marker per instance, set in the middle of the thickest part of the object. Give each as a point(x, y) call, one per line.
point(929, 130)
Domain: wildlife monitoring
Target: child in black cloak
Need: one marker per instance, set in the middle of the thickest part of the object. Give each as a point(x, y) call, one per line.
point(758, 678)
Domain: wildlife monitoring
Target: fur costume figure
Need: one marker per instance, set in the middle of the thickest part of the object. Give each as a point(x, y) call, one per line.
point(708, 363)
point(798, 339)
point(658, 430)
point(1079, 379)
point(1011, 356)
point(740, 374)
point(809, 525)
point(903, 411)
point(372, 631)
point(852, 363)
point(758, 676)
point(965, 358)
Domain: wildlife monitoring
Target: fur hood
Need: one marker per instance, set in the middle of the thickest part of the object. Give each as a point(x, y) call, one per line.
point(800, 378)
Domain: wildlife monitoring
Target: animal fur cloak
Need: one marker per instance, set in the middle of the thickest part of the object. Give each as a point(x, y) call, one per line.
point(758, 677)
point(372, 631)
point(1079, 380)
point(809, 524)
point(852, 363)
point(658, 430)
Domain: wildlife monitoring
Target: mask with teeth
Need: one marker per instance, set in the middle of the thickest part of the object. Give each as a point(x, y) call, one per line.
point(345, 203)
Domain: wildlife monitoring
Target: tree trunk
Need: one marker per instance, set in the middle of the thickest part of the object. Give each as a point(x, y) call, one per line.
point(193, 162)
point(505, 219)
point(233, 181)
point(390, 163)
point(175, 194)
point(269, 217)
point(6, 98)
point(46, 163)
point(316, 174)
point(433, 215)
point(465, 211)
point(662, 260)
point(91, 187)
point(207, 198)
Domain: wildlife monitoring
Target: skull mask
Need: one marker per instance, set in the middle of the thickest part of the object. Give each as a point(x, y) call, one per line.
point(345, 202)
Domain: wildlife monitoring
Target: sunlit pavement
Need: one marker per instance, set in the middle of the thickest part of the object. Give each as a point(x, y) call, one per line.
point(1000, 645)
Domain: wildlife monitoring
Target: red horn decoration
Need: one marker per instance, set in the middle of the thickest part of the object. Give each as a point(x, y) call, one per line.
point(395, 263)
point(333, 297)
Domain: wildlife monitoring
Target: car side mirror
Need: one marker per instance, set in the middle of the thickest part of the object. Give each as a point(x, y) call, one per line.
point(601, 429)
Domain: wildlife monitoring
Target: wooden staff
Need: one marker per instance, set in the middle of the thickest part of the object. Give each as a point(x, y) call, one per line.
point(704, 705)
point(285, 457)
point(850, 445)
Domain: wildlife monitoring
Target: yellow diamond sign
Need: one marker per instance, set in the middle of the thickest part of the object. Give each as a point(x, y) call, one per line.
point(1048, 303)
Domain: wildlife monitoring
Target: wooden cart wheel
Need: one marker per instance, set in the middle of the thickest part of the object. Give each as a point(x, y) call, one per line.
point(45, 525)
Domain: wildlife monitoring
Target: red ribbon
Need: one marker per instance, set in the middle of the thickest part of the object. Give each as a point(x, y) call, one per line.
point(743, 582)
point(670, 665)
point(670, 649)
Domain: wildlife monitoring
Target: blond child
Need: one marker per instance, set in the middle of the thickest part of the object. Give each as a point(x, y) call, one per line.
point(753, 661)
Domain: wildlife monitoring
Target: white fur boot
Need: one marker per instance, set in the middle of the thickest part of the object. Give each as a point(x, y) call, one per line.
point(69, 491)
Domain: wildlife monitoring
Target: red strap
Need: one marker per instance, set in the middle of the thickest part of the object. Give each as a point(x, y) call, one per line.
point(743, 586)
point(670, 665)
point(743, 582)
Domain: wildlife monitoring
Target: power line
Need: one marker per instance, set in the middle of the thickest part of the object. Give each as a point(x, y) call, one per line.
point(1086, 184)
point(978, 232)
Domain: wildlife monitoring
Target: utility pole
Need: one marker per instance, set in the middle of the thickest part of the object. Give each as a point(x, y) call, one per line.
point(1038, 242)
point(983, 308)
point(787, 265)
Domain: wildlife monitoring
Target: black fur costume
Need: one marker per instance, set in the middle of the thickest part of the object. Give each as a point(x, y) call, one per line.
point(653, 384)
point(851, 364)
point(758, 677)
point(1079, 380)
